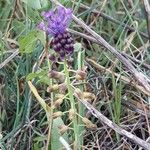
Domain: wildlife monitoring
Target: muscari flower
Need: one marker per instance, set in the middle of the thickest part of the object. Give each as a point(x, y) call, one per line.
point(55, 24)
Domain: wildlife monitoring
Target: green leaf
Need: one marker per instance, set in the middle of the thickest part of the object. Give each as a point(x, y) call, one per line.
point(42, 37)
point(39, 74)
point(37, 4)
point(31, 76)
point(40, 138)
point(45, 3)
point(27, 43)
point(45, 80)
point(55, 143)
point(36, 146)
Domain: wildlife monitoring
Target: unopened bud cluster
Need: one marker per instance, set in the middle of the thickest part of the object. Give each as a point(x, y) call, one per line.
point(63, 129)
point(88, 123)
point(80, 75)
point(63, 44)
point(87, 96)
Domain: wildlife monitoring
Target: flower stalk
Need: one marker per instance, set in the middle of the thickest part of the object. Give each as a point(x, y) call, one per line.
point(72, 103)
point(80, 106)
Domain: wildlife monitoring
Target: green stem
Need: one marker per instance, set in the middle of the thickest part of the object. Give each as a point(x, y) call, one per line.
point(80, 106)
point(72, 102)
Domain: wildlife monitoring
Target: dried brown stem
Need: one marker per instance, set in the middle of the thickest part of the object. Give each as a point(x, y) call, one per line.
point(123, 78)
point(95, 41)
point(114, 126)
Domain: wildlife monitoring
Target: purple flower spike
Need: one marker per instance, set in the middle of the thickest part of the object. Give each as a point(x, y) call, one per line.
point(55, 24)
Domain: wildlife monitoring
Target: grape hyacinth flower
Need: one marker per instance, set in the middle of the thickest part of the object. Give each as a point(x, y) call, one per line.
point(55, 24)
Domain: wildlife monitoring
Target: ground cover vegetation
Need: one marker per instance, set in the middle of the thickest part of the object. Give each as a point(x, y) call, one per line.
point(74, 74)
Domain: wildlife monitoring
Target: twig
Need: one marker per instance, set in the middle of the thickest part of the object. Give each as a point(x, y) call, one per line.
point(134, 108)
point(136, 60)
point(146, 116)
point(114, 126)
point(9, 58)
point(147, 140)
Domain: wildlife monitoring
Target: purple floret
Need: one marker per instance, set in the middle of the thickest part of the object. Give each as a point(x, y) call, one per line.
point(56, 21)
